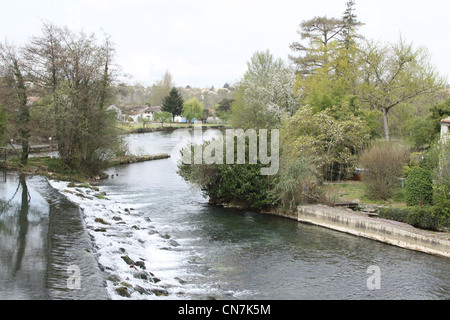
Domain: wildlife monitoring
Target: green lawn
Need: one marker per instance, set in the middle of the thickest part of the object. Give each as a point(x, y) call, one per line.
point(353, 191)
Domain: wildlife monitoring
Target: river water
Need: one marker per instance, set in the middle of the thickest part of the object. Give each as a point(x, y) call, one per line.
point(195, 250)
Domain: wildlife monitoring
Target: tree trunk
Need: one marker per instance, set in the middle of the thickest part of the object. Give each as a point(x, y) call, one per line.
point(24, 113)
point(386, 126)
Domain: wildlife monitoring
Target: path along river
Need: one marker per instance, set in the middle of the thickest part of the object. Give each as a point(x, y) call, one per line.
point(189, 249)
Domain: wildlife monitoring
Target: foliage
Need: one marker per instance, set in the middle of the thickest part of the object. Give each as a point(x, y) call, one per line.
point(163, 117)
point(244, 183)
point(426, 217)
point(2, 126)
point(297, 183)
point(225, 105)
point(85, 139)
point(383, 163)
point(437, 113)
point(192, 109)
point(326, 39)
point(422, 132)
point(264, 95)
point(332, 144)
point(237, 184)
point(205, 114)
point(394, 74)
point(419, 187)
point(441, 178)
point(73, 73)
point(161, 89)
point(14, 95)
point(173, 103)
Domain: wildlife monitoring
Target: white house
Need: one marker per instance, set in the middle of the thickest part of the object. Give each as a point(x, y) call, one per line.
point(144, 112)
point(149, 112)
point(445, 128)
point(179, 119)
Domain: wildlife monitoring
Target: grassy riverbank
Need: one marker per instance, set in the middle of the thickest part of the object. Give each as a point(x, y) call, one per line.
point(354, 191)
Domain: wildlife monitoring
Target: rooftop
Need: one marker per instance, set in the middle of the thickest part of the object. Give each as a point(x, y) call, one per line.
point(446, 120)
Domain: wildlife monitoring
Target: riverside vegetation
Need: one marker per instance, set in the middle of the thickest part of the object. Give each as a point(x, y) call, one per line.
point(338, 109)
point(340, 94)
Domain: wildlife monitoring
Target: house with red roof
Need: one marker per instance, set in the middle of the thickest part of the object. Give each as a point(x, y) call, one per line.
point(445, 127)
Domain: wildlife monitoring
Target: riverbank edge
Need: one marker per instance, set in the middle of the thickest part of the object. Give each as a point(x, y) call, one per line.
point(133, 130)
point(41, 169)
point(362, 225)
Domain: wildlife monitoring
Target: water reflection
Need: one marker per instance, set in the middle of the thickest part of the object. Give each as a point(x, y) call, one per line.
point(22, 251)
point(41, 235)
point(23, 223)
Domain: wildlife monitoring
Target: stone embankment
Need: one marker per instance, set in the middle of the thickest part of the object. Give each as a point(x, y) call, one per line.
point(387, 231)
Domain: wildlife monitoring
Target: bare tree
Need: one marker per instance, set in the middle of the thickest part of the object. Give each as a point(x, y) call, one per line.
point(161, 89)
point(76, 71)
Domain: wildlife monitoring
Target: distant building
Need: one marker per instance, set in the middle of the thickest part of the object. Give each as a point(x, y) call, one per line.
point(179, 119)
point(143, 112)
point(150, 111)
point(445, 124)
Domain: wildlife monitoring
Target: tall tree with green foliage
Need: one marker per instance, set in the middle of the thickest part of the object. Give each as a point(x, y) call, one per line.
point(161, 89)
point(332, 143)
point(76, 72)
point(321, 37)
point(334, 77)
point(173, 103)
point(265, 94)
point(14, 92)
point(350, 24)
point(395, 74)
point(2, 127)
point(162, 117)
point(320, 34)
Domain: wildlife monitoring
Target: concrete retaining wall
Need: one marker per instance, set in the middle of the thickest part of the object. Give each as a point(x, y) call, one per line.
point(391, 232)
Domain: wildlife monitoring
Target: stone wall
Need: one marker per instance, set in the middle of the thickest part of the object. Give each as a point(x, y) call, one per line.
point(391, 232)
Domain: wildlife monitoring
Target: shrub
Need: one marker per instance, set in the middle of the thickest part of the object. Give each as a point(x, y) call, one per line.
point(427, 217)
point(441, 183)
point(297, 183)
point(383, 164)
point(396, 214)
point(238, 184)
point(332, 144)
point(419, 187)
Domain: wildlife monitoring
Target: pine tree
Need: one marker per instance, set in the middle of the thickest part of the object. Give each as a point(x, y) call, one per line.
point(350, 24)
point(173, 103)
point(321, 38)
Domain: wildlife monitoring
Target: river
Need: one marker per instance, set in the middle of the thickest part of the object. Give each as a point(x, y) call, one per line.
point(192, 249)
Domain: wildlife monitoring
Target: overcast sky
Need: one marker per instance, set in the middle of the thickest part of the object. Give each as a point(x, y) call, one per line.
point(208, 42)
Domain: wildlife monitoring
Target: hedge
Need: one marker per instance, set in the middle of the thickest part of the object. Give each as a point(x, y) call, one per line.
point(427, 217)
point(419, 187)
